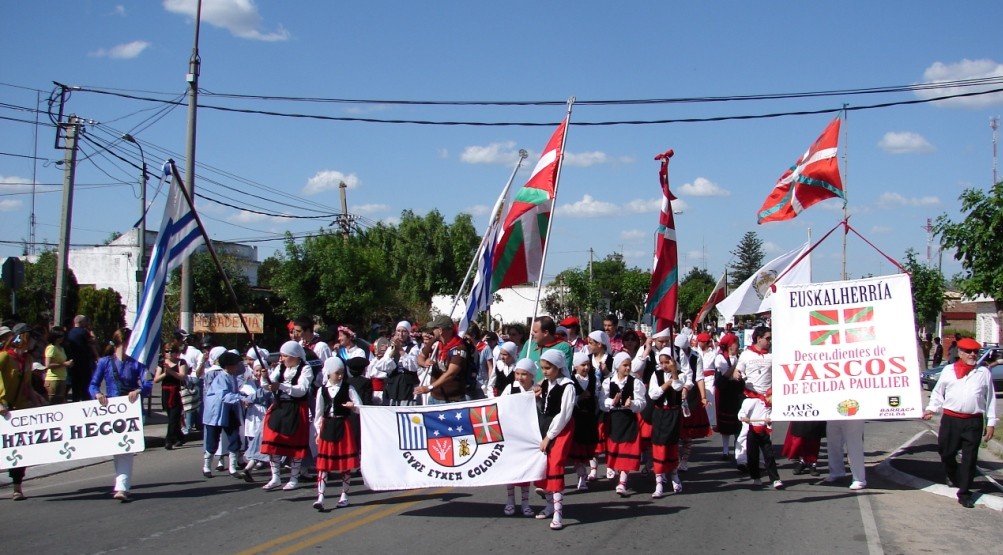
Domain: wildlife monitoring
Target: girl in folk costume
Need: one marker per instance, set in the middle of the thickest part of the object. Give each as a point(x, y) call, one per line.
point(602, 365)
point(667, 389)
point(586, 437)
point(643, 366)
point(623, 399)
point(257, 398)
point(524, 372)
point(337, 450)
point(696, 425)
point(728, 390)
point(555, 406)
point(287, 429)
point(802, 444)
point(504, 369)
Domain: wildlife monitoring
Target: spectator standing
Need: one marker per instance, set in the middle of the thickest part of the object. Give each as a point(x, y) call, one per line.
point(81, 348)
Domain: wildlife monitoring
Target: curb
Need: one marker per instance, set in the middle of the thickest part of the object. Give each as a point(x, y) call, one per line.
point(886, 470)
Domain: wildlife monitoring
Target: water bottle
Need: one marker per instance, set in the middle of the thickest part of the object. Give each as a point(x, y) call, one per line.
point(686, 408)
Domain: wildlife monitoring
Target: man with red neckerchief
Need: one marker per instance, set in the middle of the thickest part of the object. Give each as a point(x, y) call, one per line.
point(545, 338)
point(755, 366)
point(447, 383)
point(965, 393)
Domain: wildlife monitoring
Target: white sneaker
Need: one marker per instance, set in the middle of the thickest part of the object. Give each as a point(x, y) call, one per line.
point(319, 504)
point(777, 484)
point(621, 490)
point(292, 484)
point(547, 512)
point(592, 475)
point(610, 474)
point(677, 484)
point(342, 503)
point(509, 510)
point(583, 484)
point(659, 491)
point(857, 485)
point(274, 483)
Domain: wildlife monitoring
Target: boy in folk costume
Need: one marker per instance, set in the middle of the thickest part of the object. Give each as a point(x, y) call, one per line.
point(756, 412)
point(555, 407)
point(623, 398)
point(586, 437)
point(337, 450)
point(287, 426)
point(223, 412)
point(667, 389)
point(525, 371)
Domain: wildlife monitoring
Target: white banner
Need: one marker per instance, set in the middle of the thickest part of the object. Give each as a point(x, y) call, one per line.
point(845, 350)
point(59, 433)
point(476, 443)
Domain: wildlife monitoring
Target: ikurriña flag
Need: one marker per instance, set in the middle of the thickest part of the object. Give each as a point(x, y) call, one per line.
point(717, 295)
point(663, 294)
point(519, 252)
point(178, 238)
point(813, 178)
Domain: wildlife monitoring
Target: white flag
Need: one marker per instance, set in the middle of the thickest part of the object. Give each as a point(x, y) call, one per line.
point(755, 294)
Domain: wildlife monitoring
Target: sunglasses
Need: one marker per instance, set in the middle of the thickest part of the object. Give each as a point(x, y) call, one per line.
point(969, 351)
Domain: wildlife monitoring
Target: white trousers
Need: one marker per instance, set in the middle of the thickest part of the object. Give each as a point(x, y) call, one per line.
point(846, 436)
point(123, 470)
point(741, 456)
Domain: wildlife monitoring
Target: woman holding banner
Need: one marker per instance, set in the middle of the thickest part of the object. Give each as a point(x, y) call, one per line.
point(121, 375)
point(15, 386)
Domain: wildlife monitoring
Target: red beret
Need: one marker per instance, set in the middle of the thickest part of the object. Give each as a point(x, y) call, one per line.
point(703, 336)
point(969, 344)
point(569, 321)
point(727, 339)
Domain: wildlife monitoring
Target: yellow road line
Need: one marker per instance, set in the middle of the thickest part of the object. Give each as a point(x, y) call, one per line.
point(336, 520)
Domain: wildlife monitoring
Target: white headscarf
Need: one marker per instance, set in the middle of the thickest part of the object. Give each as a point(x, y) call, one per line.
point(664, 334)
point(526, 364)
point(580, 358)
point(600, 336)
point(332, 365)
point(404, 324)
point(618, 360)
point(214, 354)
point(510, 348)
point(293, 349)
point(555, 357)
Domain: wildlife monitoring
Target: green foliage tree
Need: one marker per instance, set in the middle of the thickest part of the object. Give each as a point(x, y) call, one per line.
point(577, 291)
point(209, 292)
point(976, 242)
point(748, 258)
point(104, 308)
point(928, 287)
point(36, 298)
point(694, 289)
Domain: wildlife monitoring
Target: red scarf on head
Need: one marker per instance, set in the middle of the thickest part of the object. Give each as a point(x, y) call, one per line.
point(961, 369)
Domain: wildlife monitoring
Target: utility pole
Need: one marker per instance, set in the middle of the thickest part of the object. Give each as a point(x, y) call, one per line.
point(344, 221)
point(194, 63)
point(994, 123)
point(141, 235)
point(929, 242)
point(72, 128)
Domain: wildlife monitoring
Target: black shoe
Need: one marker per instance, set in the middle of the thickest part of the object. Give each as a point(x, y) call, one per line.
point(169, 446)
point(246, 476)
point(950, 482)
point(967, 502)
point(813, 470)
point(799, 468)
point(744, 469)
point(207, 474)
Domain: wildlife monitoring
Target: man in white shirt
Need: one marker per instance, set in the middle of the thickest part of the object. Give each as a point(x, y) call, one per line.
point(964, 392)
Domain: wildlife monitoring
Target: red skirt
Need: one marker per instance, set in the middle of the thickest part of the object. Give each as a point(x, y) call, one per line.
point(644, 430)
point(665, 458)
point(624, 456)
point(801, 447)
point(295, 444)
point(338, 456)
point(557, 453)
point(696, 425)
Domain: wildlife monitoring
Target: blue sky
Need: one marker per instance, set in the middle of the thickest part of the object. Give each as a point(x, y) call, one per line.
point(904, 163)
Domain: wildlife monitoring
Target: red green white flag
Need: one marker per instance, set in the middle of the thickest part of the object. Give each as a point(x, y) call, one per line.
point(519, 252)
point(813, 178)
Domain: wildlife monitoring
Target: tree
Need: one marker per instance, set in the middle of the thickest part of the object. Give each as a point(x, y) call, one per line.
point(105, 310)
point(694, 290)
point(976, 242)
point(580, 291)
point(928, 287)
point(36, 298)
point(749, 259)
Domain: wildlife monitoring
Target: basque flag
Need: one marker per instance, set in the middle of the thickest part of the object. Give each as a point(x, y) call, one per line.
point(179, 237)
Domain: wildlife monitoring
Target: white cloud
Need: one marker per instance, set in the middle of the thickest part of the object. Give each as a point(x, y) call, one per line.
point(585, 159)
point(965, 69)
point(119, 10)
point(391, 220)
point(10, 205)
point(13, 183)
point(494, 153)
point(246, 217)
point(769, 247)
point(703, 187)
point(443, 153)
point(328, 180)
point(588, 207)
point(904, 142)
point(478, 210)
point(648, 206)
point(240, 17)
point(368, 208)
point(126, 51)
point(892, 200)
point(634, 235)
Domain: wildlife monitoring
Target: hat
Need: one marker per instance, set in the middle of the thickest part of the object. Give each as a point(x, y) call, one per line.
point(207, 341)
point(228, 359)
point(703, 336)
point(510, 348)
point(727, 339)
point(580, 358)
point(570, 321)
point(180, 334)
point(21, 328)
point(526, 365)
point(555, 357)
point(356, 365)
point(331, 365)
point(683, 341)
point(600, 336)
point(215, 353)
point(618, 359)
point(688, 321)
point(664, 334)
point(969, 344)
point(441, 321)
point(561, 330)
point(293, 349)
point(254, 353)
point(403, 324)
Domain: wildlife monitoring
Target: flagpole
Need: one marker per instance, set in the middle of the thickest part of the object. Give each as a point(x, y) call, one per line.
point(846, 212)
point(219, 265)
point(553, 205)
point(495, 215)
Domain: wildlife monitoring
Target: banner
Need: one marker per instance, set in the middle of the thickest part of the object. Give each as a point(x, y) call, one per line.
point(226, 322)
point(845, 350)
point(755, 295)
point(59, 433)
point(476, 443)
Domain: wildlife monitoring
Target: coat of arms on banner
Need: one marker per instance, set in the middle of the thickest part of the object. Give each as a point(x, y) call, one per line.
point(450, 436)
point(826, 327)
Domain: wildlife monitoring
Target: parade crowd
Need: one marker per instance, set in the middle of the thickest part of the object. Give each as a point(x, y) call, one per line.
point(636, 404)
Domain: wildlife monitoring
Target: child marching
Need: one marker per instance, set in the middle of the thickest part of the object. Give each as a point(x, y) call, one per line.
point(586, 437)
point(555, 406)
point(623, 399)
point(667, 389)
point(337, 450)
point(523, 374)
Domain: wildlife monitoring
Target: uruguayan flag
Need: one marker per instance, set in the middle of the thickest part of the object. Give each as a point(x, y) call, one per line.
point(411, 431)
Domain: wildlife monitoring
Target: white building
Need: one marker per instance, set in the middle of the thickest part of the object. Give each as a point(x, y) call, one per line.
point(516, 305)
point(115, 265)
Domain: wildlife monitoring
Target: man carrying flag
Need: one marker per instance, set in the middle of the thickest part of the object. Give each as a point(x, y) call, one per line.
point(664, 291)
point(813, 178)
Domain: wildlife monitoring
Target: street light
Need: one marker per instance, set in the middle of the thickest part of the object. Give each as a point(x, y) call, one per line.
point(141, 237)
